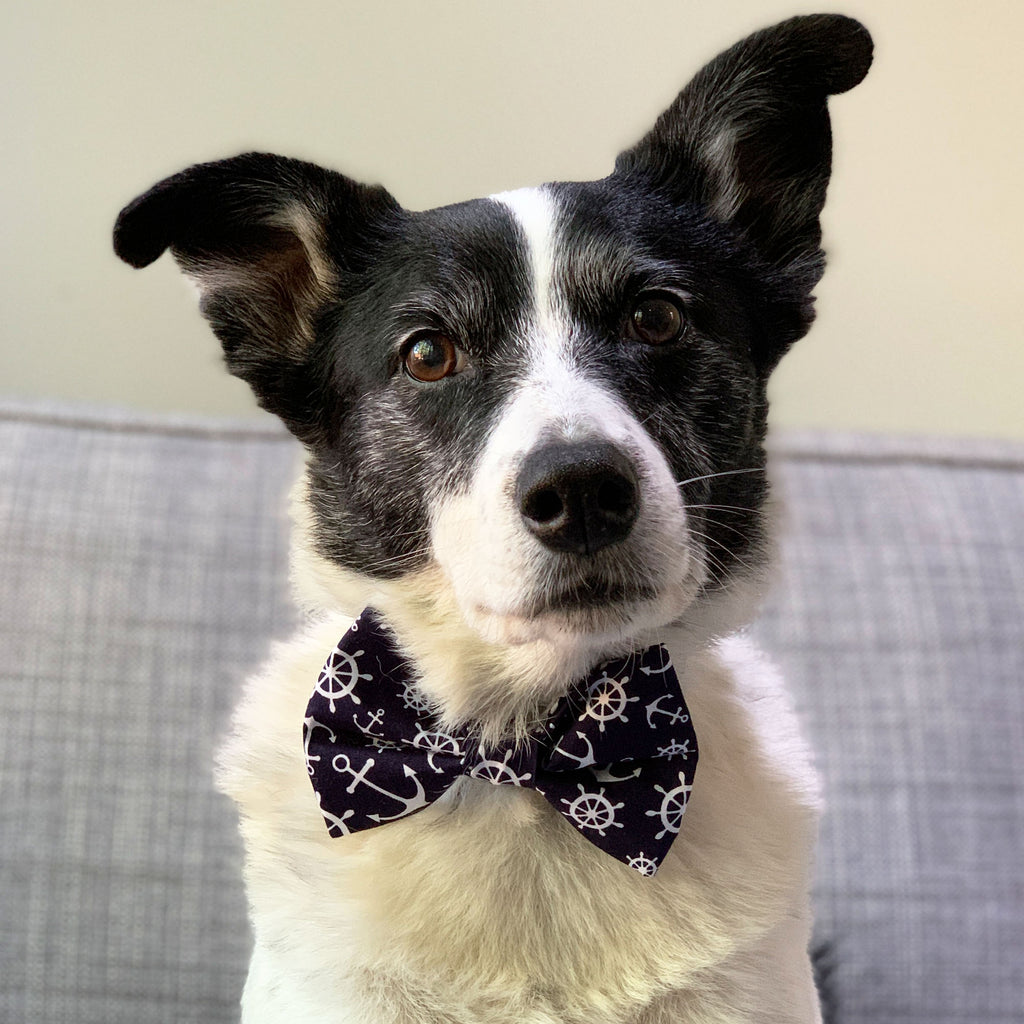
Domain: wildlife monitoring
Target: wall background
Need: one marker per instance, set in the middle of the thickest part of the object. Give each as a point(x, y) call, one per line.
point(920, 313)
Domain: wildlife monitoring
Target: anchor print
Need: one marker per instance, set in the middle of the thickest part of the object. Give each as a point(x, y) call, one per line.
point(607, 775)
point(679, 715)
point(343, 765)
point(308, 725)
point(581, 762)
point(382, 753)
point(588, 760)
point(334, 821)
point(658, 670)
point(376, 717)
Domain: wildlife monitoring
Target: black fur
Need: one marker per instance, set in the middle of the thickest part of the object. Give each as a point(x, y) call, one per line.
point(312, 280)
point(749, 138)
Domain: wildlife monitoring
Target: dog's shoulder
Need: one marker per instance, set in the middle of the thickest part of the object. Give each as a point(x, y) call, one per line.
point(262, 753)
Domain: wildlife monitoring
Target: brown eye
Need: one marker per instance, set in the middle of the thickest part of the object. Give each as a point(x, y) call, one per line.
point(657, 320)
point(431, 357)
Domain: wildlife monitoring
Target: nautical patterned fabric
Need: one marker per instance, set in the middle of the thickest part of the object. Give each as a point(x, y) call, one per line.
point(616, 758)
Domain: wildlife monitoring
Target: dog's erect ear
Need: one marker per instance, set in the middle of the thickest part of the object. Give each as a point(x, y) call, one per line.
point(749, 137)
point(267, 240)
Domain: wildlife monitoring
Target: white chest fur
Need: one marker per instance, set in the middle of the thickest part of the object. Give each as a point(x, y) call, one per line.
point(488, 907)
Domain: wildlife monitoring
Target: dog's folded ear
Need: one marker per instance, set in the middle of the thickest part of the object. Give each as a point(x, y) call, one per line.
point(267, 241)
point(749, 138)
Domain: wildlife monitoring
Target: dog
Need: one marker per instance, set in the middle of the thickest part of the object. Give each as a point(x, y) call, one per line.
point(533, 428)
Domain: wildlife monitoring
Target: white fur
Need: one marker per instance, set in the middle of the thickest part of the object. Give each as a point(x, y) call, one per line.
point(493, 564)
point(488, 907)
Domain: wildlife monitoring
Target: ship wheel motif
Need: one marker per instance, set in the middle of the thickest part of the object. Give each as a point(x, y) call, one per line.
point(340, 676)
point(436, 742)
point(607, 700)
point(414, 699)
point(672, 806)
point(593, 810)
point(675, 749)
point(498, 773)
point(643, 864)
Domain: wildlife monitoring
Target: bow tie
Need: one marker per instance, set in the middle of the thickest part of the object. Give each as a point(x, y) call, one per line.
point(616, 757)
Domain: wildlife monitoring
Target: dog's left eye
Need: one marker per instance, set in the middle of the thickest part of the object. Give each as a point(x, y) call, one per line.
point(431, 357)
point(657, 319)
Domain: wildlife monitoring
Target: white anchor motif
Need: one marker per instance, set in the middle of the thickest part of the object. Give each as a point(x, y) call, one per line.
point(643, 864)
point(333, 821)
point(679, 715)
point(593, 810)
point(436, 742)
point(658, 670)
point(340, 677)
point(498, 773)
point(376, 717)
point(607, 700)
point(310, 724)
point(581, 762)
point(672, 806)
point(588, 759)
point(607, 775)
point(409, 804)
point(377, 739)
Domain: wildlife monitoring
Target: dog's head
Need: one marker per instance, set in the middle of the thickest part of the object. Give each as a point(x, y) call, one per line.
point(549, 403)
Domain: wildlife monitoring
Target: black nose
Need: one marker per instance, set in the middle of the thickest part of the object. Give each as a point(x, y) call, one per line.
point(578, 497)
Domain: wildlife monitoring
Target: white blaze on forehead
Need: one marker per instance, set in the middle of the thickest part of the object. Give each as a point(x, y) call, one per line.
point(534, 211)
point(556, 396)
point(497, 568)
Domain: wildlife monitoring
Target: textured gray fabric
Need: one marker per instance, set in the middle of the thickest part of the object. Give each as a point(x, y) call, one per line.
point(898, 622)
point(143, 573)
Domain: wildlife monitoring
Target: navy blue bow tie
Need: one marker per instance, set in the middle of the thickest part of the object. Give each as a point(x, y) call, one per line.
point(616, 757)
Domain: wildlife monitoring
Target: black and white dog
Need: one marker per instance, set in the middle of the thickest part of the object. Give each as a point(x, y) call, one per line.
point(533, 426)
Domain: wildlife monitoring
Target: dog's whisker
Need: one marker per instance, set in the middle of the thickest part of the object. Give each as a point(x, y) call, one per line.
point(713, 476)
point(728, 508)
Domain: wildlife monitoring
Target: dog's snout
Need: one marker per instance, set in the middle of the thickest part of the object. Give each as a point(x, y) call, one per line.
point(578, 497)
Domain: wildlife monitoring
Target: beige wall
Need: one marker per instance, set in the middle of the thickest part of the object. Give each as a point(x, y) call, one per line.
point(920, 316)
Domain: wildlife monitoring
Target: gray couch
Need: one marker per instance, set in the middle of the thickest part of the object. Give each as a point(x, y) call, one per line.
point(144, 573)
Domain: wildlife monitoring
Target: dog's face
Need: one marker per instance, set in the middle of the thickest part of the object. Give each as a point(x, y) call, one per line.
point(552, 400)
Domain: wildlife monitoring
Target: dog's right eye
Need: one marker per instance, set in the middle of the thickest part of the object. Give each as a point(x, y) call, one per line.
point(431, 357)
point(657, 318)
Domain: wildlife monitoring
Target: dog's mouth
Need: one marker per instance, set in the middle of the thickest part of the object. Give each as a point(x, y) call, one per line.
point(592, 606)
point(588, 595)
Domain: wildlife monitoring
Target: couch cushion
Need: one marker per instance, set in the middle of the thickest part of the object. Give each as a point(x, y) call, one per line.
point(143, 568)
point(899, 621)
point(143, 562)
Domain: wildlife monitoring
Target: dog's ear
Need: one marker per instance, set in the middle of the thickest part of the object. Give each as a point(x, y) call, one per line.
point(267, 240)
point(749, 139)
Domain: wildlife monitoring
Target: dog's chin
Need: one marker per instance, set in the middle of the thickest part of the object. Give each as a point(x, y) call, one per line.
point(581, 618)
